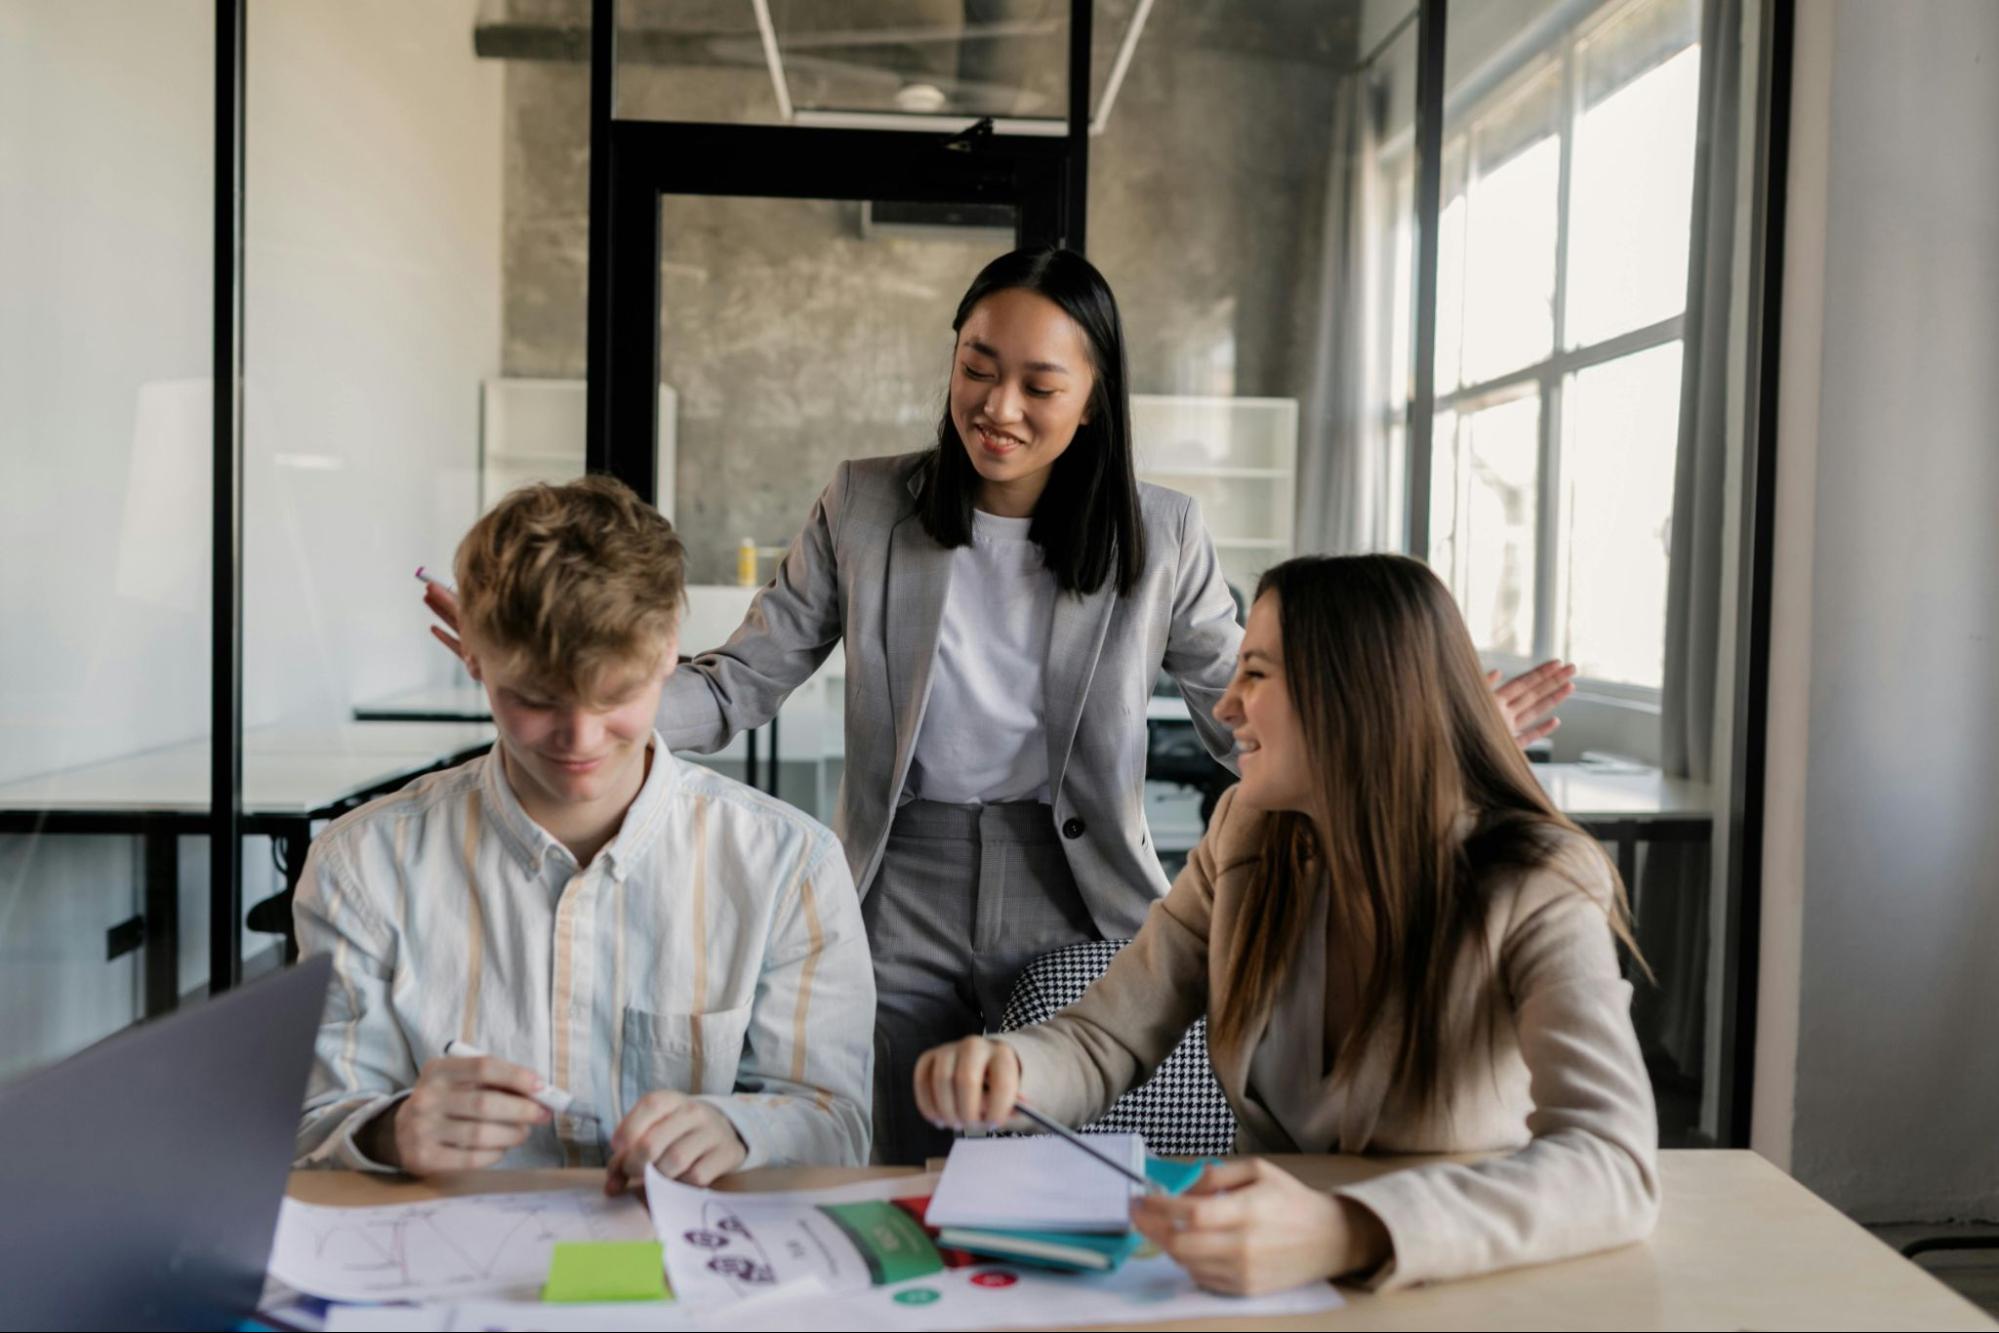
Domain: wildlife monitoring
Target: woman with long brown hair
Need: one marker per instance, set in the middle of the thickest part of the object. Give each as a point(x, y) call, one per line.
point(1401, 947)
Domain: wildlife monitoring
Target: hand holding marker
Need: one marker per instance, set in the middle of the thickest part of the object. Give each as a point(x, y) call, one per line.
point(557, 1100)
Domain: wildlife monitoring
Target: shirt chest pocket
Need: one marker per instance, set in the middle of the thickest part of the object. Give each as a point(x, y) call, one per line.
point(693, 1053)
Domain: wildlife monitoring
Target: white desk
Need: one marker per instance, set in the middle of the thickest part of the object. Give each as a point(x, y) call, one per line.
point(462, 702)
point(1597, 792)
point(1625, 806)
point(292, 776)
point(1739, 1245)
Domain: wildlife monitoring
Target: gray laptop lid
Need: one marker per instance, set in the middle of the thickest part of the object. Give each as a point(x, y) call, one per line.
point(140, 1179)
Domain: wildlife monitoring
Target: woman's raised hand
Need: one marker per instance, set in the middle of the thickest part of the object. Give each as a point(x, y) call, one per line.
point(1528, 700)
point(969, 1083)
point(443, 604)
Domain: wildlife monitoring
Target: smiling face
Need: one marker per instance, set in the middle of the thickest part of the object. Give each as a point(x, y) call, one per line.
point(1270, 743)
point(567, 757)
point(1021, 385)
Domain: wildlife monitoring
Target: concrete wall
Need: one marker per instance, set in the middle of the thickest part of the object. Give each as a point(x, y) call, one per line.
point(372, 312)
point(794, 342)
point(1879, 1084)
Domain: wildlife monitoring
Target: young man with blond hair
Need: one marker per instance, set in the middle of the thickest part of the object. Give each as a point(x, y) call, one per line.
point(681, 954)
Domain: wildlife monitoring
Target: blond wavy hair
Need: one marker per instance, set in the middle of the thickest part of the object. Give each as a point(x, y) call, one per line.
point(569, 583)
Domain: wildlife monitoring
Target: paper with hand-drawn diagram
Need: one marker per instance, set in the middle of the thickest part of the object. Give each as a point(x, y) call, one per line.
point(442, 1249)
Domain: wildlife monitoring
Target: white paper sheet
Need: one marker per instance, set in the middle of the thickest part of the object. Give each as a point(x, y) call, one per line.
point(988, 1296)
point(782, 1266)
point(1043, 1183)
point(442, 1249)
point(508, 1317)
point(1147, 1290)
point(723, 1249)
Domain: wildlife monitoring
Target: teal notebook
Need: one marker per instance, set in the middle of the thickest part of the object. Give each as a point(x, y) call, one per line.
point(1069, 1251)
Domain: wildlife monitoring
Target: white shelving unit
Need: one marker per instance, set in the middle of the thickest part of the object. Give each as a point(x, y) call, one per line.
point(532, 430)
point(1239, 458)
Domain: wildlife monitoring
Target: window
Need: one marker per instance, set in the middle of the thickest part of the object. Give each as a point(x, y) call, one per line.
point(1567, 184)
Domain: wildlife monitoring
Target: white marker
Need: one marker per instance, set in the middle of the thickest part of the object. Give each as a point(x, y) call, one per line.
point(423, 572)
point(557, 1100)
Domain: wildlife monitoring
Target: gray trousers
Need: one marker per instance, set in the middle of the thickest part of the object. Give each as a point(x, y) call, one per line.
point(966, 897)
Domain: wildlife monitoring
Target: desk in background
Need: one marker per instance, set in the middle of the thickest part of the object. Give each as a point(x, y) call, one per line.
point(713, 613)
point(1739, 1245)
point(1625, 805)
point(292, 776)
point(1621, 804)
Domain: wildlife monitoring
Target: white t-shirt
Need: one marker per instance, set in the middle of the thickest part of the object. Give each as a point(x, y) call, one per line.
point(983, 740)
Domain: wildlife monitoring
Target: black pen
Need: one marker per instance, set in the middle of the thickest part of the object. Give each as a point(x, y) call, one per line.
point(1149, 1185)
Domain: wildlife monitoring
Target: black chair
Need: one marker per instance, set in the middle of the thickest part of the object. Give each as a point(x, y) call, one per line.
point(1929, 1244)
point(1180, 1111)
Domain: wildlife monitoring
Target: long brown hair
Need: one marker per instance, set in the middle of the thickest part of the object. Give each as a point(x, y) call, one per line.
point(1403, 734)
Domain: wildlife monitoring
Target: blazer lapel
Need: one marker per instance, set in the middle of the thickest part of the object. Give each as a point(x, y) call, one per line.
point(919, 581)
point(1231, 1066)
point(1075, 638)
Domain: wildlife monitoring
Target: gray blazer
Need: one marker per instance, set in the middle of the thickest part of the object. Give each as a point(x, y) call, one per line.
point(864, 572)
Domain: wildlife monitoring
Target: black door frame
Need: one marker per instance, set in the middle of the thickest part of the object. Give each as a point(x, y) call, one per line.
point(634, 164)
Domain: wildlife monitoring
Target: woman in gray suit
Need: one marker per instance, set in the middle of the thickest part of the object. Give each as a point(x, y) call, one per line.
point(1005, 600)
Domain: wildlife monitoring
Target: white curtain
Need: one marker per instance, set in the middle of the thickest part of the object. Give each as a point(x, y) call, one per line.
point(1343, 486)
point(1673, 890)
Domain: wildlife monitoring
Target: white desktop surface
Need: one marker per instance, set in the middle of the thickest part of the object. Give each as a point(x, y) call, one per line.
point(286, 770)
point(1587, 791)
point(465, 699)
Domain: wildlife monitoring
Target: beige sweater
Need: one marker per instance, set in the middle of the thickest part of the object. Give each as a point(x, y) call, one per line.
point(1554, 1082)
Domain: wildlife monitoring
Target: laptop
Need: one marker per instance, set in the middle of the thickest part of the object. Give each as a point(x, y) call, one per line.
point(140, 1179)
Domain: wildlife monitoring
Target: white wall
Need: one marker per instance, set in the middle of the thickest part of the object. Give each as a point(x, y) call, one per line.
point(373, 290)
point(1882, 871)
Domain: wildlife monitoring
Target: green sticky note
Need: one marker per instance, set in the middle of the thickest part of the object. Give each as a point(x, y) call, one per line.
point(606, 1270)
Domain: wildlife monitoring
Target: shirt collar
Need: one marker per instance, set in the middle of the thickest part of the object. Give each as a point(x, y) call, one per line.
point(531, 844)
point(646, 815)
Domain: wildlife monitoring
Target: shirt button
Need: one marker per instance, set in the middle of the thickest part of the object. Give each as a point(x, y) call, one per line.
point(1072, 828)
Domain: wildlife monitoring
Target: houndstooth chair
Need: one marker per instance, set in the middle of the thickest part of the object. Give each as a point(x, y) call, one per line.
point(1180, 1110)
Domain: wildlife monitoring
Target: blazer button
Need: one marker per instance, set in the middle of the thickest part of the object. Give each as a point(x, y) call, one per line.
point(1072, 828)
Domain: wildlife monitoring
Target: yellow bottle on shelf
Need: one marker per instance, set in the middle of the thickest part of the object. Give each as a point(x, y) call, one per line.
point(746, 563)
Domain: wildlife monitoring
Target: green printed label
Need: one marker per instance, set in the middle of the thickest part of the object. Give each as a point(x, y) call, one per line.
point(891, 1241)
point(919, 1296)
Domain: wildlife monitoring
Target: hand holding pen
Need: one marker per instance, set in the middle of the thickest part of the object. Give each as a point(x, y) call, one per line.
point(976, 1082)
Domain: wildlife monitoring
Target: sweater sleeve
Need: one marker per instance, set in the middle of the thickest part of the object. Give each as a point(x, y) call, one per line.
point(1588, 1179)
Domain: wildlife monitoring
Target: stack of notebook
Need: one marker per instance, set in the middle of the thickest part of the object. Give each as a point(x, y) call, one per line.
point(1042, 1201)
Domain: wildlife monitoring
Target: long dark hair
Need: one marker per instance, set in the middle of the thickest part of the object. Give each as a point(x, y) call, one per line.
point(1087, 523)
point(1402, 735)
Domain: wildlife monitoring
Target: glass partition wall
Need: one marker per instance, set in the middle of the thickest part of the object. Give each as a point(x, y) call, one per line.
point(106, 186)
